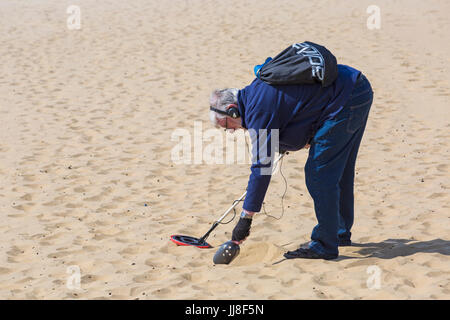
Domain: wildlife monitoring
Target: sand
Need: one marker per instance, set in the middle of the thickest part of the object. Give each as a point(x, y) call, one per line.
point(88, 182)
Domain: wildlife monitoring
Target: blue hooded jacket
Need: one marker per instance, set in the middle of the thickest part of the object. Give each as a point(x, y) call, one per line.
point(296, 110)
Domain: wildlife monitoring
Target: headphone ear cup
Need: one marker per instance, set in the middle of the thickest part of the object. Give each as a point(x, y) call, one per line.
point(233, 112)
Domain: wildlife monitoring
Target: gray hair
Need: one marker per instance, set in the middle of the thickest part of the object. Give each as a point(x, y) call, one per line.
point(220, 99)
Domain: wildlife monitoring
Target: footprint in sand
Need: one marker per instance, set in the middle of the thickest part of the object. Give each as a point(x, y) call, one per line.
point(436, 195)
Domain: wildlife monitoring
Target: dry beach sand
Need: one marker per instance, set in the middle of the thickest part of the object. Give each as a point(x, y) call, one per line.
point(87, 178)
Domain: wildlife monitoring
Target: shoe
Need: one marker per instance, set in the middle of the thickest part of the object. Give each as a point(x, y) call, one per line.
point(305, 245)
point(307, 253)
point(341, 243)
point(345, 243)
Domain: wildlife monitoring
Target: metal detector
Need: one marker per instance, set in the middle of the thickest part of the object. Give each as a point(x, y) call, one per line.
point(182, 240)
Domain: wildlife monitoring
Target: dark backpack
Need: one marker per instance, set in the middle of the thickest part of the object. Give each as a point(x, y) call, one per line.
point(301, 63)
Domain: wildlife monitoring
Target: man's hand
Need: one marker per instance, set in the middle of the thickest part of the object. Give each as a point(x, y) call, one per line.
point(241, 231)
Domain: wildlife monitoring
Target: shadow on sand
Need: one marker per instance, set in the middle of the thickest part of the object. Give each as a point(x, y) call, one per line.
point(393, 248)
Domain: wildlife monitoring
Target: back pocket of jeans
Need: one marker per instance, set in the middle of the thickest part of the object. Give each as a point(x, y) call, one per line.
point(357, 116)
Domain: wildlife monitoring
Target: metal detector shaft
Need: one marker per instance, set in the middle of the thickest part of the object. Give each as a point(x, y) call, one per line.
point(215, 224)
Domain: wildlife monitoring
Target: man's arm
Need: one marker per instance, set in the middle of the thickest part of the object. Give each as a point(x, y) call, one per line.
point(264, 128)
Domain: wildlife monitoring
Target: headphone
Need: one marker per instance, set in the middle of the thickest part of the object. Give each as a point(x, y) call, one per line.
point(232, 112)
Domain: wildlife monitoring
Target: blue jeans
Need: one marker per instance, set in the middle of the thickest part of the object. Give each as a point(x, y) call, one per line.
point(330, 170)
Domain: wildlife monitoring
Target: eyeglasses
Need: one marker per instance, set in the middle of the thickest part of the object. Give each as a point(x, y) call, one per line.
point(219, 111)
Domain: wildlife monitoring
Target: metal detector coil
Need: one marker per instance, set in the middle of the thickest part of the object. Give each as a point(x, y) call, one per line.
point(190, 241)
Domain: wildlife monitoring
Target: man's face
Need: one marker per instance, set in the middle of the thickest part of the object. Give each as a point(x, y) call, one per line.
point(230, 124)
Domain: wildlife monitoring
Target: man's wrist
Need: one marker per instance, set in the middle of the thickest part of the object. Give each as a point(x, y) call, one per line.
point(247, 214)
